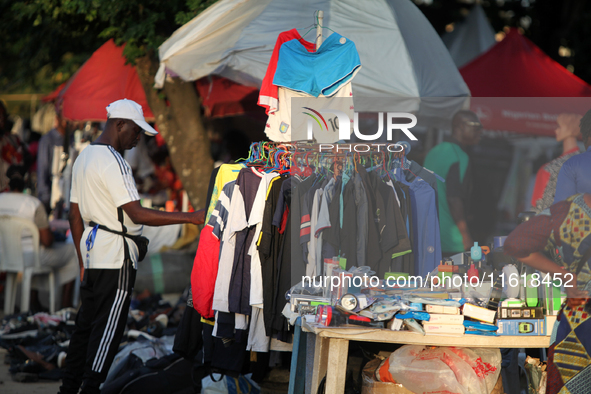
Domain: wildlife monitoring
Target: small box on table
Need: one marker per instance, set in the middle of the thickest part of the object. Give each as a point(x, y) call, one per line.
point(521, 327)
point(521, 313)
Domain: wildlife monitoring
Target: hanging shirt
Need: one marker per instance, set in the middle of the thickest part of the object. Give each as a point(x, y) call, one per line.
point(361, 204)
point(401, 228)
point(393, 239)
point(428, 176)
point(248, 182)
point(324, 223)
point(323, 216)
point(405, 261)
point(227, 249)
point(345, 179)
point(226, 173)
point(427, 244)
point(269, 248)
point(374, 251)
point(348, 230)
point(314, 266)
point(282, 220)
point(258, 341)
point(284, 125)
point(256, 220)
point(331, 235)
point(205, 265)
point(301, 209)
point(268, 95)
point(300, 195)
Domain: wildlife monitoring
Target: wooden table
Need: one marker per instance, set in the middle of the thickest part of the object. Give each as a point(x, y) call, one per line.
point(332, 348)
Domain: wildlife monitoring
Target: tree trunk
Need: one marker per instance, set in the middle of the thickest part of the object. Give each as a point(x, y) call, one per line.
point(177, 110)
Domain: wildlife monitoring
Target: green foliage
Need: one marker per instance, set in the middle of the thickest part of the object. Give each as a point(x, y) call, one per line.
point(195, 7)
point(45, 41)
point(38, 50)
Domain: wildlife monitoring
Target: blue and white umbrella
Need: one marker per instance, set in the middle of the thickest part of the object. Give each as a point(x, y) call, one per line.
point(401, 54)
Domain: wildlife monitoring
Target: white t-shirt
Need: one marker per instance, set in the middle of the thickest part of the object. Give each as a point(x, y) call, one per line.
point(227, 248)
point(101, 182)
point(283, 125)
point(256, 219)
point(26, 207)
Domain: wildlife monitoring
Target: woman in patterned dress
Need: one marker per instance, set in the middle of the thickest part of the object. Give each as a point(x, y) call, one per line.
point(558, 242)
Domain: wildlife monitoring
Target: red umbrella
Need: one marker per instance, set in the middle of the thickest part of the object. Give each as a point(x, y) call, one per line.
point(104, 78)
point(55, 94)
point(517, 87)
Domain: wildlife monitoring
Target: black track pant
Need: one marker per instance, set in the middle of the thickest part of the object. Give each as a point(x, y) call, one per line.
point(100, 323)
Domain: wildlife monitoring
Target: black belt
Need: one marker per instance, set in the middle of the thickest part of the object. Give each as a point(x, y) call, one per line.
point(141, 242)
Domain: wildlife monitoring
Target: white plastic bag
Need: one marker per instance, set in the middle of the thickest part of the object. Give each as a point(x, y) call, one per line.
point(490, 365)
point(442, 370)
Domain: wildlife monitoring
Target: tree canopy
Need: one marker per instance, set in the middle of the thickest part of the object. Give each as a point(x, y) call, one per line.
point(45, 41)
point(560, 28)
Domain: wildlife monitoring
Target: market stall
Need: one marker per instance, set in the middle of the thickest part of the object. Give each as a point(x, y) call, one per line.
point(294, 213)
point(332, 346)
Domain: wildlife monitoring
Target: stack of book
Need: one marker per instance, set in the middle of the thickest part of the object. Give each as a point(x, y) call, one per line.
point(443, 320)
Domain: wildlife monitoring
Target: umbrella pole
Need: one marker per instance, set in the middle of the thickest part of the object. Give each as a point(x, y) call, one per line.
point(319, 29)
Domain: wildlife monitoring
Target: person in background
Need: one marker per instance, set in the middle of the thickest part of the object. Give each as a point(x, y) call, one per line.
point(60, 255)
point(450, 161)
point(558, 242)
point(12, 150)
point(141, 165)
point(567, 132)
point(104, 195)
point(574, 176)
point(47, 143)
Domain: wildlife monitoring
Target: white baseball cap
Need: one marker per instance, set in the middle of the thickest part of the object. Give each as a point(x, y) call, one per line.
point(129, 109)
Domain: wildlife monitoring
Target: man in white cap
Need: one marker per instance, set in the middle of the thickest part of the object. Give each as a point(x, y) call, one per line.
point(104, 195)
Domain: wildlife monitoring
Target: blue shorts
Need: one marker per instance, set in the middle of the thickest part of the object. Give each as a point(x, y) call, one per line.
point(322, 72)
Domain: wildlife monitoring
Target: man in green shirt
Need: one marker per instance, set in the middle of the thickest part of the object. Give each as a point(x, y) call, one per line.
point(450, 161)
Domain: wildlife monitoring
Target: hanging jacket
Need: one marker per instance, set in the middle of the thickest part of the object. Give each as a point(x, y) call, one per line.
point(205, 265)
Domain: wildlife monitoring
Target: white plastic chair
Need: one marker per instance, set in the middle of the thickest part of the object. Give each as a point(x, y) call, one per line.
point(12, 261)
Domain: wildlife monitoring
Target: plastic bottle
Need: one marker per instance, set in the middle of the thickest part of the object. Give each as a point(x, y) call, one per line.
point(476, 253)
point(472, 272)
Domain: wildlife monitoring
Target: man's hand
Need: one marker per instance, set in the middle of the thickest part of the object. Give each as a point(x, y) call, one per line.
point(456, 208)
point(81, 273)
point(198, 217)
point(152, 217)
point(467, 241)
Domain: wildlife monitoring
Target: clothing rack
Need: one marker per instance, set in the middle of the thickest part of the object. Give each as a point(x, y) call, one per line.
point(319, 26)
point(269, 155)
